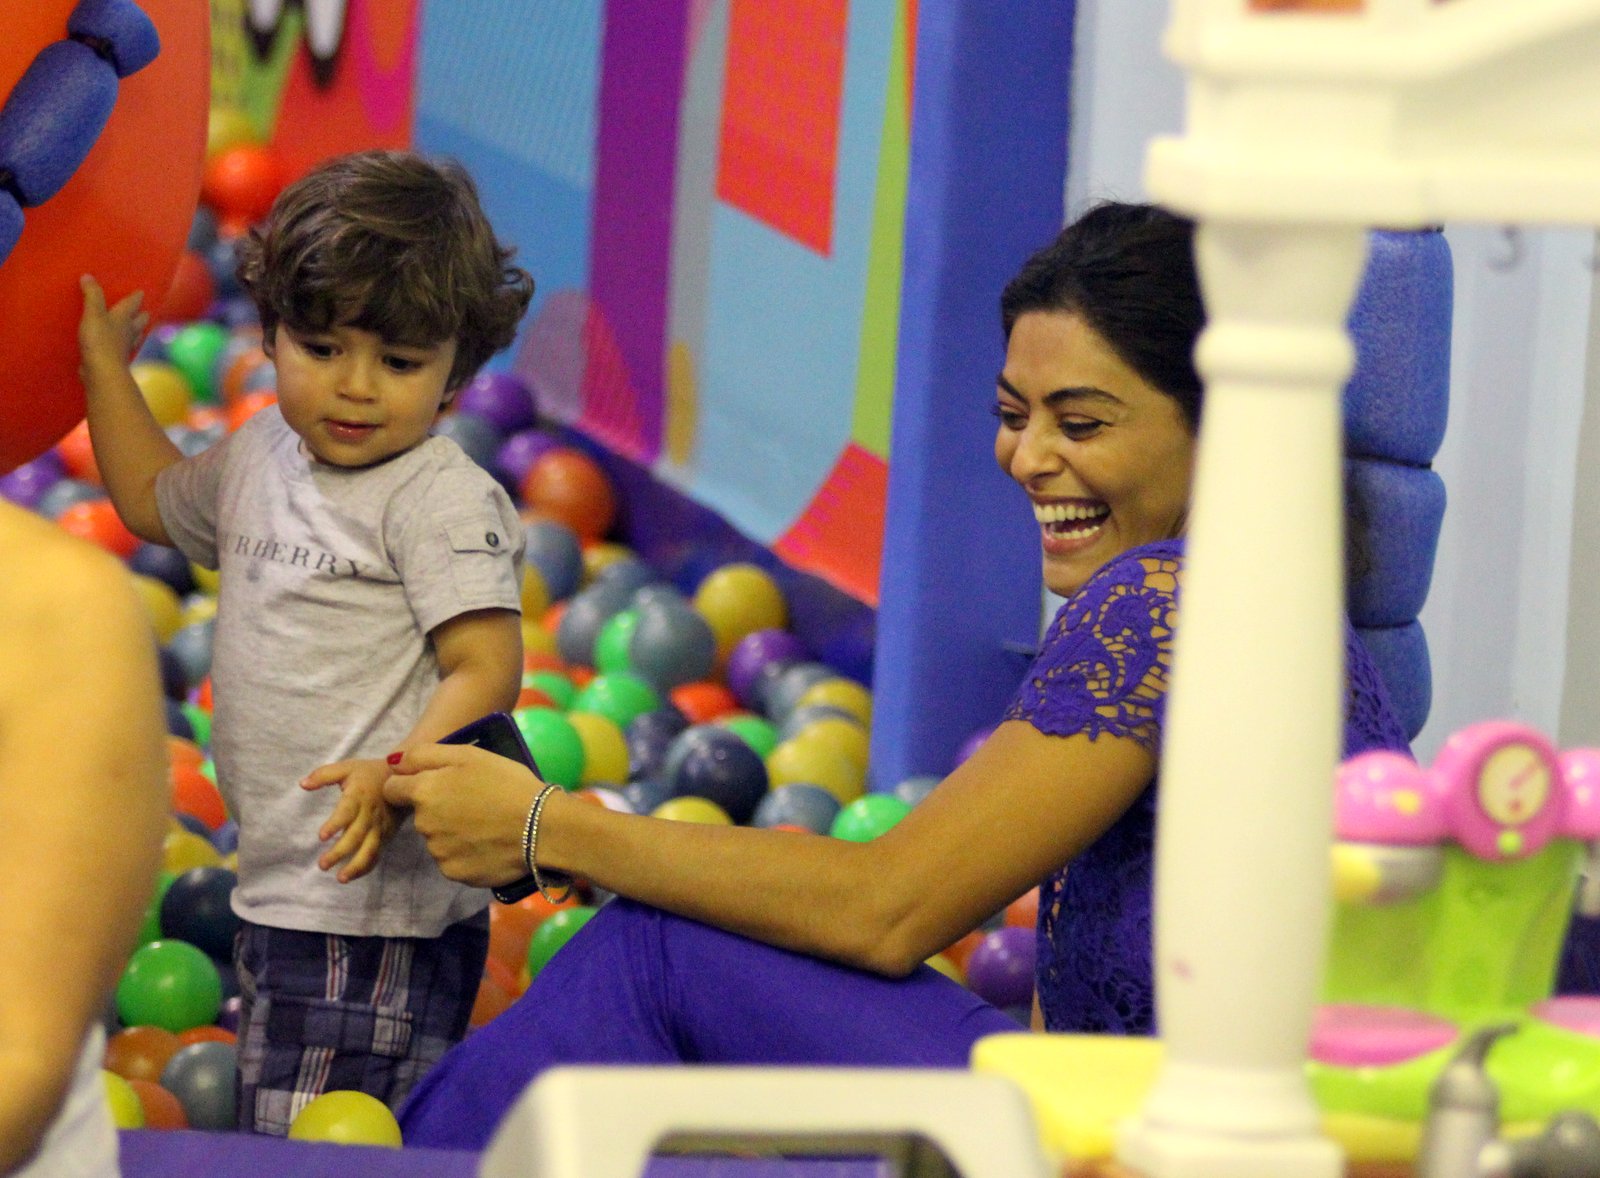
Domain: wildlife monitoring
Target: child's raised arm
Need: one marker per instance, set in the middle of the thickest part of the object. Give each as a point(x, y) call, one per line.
point(130, 447)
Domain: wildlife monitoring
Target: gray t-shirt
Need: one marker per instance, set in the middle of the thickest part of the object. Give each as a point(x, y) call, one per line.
point(331, 580)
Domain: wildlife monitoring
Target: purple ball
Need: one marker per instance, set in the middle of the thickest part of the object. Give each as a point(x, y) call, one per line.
point(1000, 970)
point(228, 1016)
point(520, 451)
point(501, 399)
point(24, 485)
point(753, 652)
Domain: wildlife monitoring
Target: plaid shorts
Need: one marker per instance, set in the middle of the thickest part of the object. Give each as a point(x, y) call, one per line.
point(324, 1013)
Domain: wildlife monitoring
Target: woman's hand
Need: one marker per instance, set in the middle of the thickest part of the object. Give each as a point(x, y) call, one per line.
point(469, 806)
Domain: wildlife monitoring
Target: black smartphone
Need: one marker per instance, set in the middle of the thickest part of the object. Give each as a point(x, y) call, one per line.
point(499, 733)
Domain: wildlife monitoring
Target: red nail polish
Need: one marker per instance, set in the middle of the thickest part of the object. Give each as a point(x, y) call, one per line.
point(395, 758)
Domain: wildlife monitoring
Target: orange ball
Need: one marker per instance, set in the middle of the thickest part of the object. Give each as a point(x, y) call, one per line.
point(98, 522)
point(532, 697)
point(181, 751)
point(207, 1034)
point(510, 929)
point(703, 702)
point(140, 1053)
point(962, 949)
point(162, 1110)
point(248, 406)
point(193, 794)
point(1024, 910)
point(202, 694)
point(567, 485)
point(77, 454)
point(539, 660)
point(190, 293)
point(242, 368)
point(242, 181)
point(492, 1000)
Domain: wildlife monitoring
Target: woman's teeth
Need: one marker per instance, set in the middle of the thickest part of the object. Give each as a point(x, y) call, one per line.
point(1070, 519)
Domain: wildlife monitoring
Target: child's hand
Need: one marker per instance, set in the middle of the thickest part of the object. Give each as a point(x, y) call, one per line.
point(107, 337)
point(365, 819)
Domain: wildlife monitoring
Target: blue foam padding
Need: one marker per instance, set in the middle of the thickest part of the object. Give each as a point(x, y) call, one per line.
point(120, 30)
point(11, 223)
point(1398, 510)
point(1401, 655)
point(52, 118)
point(1396, 402)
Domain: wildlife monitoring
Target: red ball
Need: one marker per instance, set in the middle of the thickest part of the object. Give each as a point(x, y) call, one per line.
point(703, 702)
point(98, 522)
point(162, 1110)
point(77, 454)
point(248, 406)
point(193, 794)
point(242, 181)
point(569, 486)
point(189, 294)
point(140, 1053)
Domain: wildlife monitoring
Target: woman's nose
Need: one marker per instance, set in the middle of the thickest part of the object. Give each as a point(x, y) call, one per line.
point(1034, 455)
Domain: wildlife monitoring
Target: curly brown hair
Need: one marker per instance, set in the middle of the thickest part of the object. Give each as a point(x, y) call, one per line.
point(392, 243)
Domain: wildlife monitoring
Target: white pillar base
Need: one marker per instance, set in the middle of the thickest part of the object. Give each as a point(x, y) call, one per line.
point(1178, 1153)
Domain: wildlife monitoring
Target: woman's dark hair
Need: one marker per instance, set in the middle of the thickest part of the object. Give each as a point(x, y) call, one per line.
point(1128, 270)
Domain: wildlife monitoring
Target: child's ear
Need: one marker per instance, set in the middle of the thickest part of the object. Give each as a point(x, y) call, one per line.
point(269, 343)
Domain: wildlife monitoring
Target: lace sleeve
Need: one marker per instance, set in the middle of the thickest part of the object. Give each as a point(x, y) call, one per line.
point(1104, 664)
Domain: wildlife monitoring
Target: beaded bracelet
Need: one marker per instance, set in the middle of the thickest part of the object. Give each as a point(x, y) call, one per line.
point(530, 844)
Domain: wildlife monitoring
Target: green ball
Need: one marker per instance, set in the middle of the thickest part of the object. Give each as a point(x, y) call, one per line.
point(555, 744)
point(611, 644)
point(150, 927)
point(169, 984)
point(554, 684)
point(619, 696)
point(761, 735)
point(556, 930)
point(200, 721)
point(867, 817)
point(193, 351)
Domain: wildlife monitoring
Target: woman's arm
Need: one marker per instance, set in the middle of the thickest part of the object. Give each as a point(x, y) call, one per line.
point(83, 800)
point(1017, 809)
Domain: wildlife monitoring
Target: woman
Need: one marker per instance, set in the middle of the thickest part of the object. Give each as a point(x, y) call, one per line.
point(1097, 408)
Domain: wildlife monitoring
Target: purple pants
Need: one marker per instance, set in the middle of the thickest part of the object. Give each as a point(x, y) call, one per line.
point(640, 986)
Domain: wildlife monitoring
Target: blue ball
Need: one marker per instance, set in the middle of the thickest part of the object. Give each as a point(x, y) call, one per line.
point(556, 552)
point(192, 645)
point(177, 721)
point(479, 439)
point(712, 762)
point(671, 645)
point(164, 564)
point(197, 907)
point(809, 806)
point(203, 1076)
point(648, 736)
point(913, 789)
point(65, 493)
point(646, 794)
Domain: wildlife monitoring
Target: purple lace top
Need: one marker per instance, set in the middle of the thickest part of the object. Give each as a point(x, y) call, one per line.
point(1103, 669)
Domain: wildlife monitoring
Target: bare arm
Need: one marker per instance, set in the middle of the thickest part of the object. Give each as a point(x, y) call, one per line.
point(130, 447)
point(82, 806)
point(1016, 810)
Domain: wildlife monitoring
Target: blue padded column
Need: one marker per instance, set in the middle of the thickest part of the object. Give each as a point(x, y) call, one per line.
point(960, 588)
point(1395, 409)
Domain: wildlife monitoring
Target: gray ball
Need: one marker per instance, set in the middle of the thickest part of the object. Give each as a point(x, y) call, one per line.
point(202, 1076)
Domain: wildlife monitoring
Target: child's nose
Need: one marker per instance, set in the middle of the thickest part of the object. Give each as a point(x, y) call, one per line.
point(355, 380)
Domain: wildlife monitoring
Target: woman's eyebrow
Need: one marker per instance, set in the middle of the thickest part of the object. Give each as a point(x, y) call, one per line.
point(1072, 393)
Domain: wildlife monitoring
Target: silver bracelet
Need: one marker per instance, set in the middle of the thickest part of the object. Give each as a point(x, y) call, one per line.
point(530, 844)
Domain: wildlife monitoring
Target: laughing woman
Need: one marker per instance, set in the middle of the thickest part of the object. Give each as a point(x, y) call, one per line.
point(742, 946)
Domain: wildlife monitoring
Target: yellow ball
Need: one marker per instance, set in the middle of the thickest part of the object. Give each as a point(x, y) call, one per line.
point(206, 580)
point(605, 749)
point(183, 849)
point(536, 639)
point(346, 1118)
point(228, 126)
point(597, 556)
point(198, 607)
point(842, 693)
point(812, 762)
point(165, 389)
point(739, 599)
point(161, 604)
point(947, 967)
point(127, 1112)
point(691, 809)
point(535, 595)
point(841, 735)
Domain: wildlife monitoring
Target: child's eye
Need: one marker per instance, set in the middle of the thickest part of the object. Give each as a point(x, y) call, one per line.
point(402, 363)
point(316, 348)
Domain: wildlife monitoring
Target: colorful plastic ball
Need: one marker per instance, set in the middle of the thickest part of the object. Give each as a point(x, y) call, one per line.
point(568, 485)
point(868, 817)
point(24, 485)
point(703, 811)
point(150, 927)
point(672, 643)
point(840, 734)
point(555, 550)
point(76, 452)
point(802, 762)
point(161, 1109)
point(942, 964)
point(199, 722)
point(1001, 967)
point(478, 439)
point(166, 391)
point(803, 717)
point(162, 606)
point(248, 406)
point(737, 600)
point(554, 684)
point(140, 1052)
point(781, 694)
point(605, 751)
point(182, 850)
point(347, 1118)
point(249, 363)
point(913, 789)
point(972, 744)
point(601, 555)
point(203, 1077)
point(611, 644)
point(582, 619)
point(648, 736)
point(519, 452)
point(756, 732)
point(126, 1111)
point(197, 909)
point(1023, 912)
point(494, 996)
point(502, 399)
point(207, 1034)
point(703, 701)
point(194, 793)
point(241, 181)
point(169, 984)
point(190, 293)
point(619, 696)
point(195, 351)
point(842, 693)
point(555, 744)
point(192, 644)
point(67, 493)
point(167, 565)
point(756, 651)
point(228, 126)
point(97, 521)
point(646, 794)
point(228, 1016)
point(708, 761)
point(559, 928)
point(807, 806)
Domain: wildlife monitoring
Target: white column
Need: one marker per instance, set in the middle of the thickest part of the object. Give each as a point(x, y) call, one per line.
point(1253, 724)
